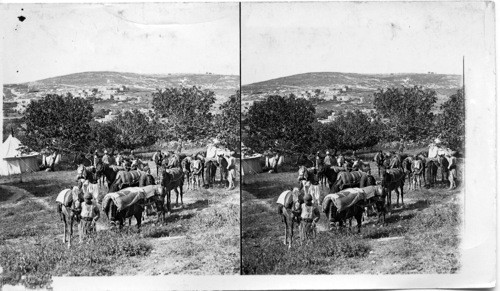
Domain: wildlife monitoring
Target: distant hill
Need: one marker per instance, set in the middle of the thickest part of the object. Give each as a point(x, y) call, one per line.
point(443, 84)
point(146, 82)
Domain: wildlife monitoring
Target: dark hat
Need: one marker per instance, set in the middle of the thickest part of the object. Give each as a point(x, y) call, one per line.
point(308, 197)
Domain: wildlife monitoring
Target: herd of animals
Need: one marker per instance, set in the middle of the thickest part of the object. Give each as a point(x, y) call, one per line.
point(350, 176)
point(107, 182)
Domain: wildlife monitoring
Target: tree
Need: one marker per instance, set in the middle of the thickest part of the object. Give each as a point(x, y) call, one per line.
point(104, 135)
point(326, 137)
point(355, 131)
point(133, 129)
point(187, 112)
point(408, 110)
point(58, 123)
point(280, 124)
point(451, 123)
point(227, 123)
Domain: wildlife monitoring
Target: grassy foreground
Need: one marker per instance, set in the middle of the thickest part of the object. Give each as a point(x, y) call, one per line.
point(421, 238)
point(200, 238)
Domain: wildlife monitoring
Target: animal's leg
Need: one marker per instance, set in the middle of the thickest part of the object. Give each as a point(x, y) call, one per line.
point(358, 219)
point(285, 220)
point(65, 227)
point(397, 196)
point(138, 219)
point(291, 231)
point(182, 202)
point(402, 201)
point(70, 231)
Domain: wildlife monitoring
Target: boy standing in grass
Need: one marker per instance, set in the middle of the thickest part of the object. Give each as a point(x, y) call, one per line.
point(90, 214)
point(309, 217)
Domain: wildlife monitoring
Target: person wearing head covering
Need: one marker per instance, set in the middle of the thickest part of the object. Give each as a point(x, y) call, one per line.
point(119, 159)
point(328, 159)
point(158, 159)
point(318, 161)
point(231, 170)
point(309, 216)
point(105, 158)
point(452, 169)
point(96, 158)
point(89, 216)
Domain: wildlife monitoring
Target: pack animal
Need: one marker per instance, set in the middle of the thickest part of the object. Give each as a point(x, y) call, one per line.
point(67, 207)
point(172, 179)
point(393, 180)
point(289, 208)
point(222, 162)
point(356, 210)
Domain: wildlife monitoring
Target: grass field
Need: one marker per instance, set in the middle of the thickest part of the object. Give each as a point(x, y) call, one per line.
point(423, 237)
point(200, 238)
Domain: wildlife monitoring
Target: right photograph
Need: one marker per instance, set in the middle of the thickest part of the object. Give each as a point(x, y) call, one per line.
point(353, 136)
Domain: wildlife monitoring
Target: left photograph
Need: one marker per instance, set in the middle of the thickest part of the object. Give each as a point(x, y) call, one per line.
point(120, 140)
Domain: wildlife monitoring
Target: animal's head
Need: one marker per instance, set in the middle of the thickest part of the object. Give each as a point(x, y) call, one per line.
point(303, 175)
point(386, 177)
point(80, 172)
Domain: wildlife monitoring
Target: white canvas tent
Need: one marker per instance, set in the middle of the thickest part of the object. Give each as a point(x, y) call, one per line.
point(251, 165)
point(12, 161)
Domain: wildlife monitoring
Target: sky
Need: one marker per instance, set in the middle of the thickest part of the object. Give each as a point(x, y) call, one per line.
point(282, 39)
point(59, 39)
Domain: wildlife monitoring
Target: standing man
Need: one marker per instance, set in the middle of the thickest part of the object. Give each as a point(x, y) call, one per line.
point(96, 158)
point(158, 158)
point(90, 214)
point(452, 168)
point(318, 160)
point(328, 159)
point(119, 159)
point(231, 170)
point(105, 158)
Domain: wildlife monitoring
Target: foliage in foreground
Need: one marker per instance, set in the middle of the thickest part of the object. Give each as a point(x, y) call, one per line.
point(272, 257)
point(34, 264)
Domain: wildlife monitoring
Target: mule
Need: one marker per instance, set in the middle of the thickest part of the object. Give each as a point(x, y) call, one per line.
point(392, 179)
point(379, 161)
point(443, 165)
point(407, 166)
point(186, 170)
point(109, 172)
point(289, 208)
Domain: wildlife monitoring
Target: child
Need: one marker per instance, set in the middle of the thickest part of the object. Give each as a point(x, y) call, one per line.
point(309, 217)
point(90, 214)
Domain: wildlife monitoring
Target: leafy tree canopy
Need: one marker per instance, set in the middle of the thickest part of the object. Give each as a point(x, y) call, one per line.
point(451, 123)
point(282, 124)
point(59, 123)
point(186, 110)
point(408, 109)
point(133, 129)
point(355, 130)
point(227, 123)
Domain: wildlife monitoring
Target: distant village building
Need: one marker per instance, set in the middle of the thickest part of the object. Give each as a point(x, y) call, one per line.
point(343, 98)
point(107, 117)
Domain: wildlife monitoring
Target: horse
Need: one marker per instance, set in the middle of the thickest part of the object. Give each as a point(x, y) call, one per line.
point(197, 173)
point(210, 172)
point(86, 173)
point(360, 198)
point(68, 208)
point(430, 171)
point(289, 208)
point(128, 179)
point(172, 179)
point(352, 179)
point(222, 162)
point(392, 179)
point(110, 172)
point(443, 165)
point(417, 168)
point(331, 174)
